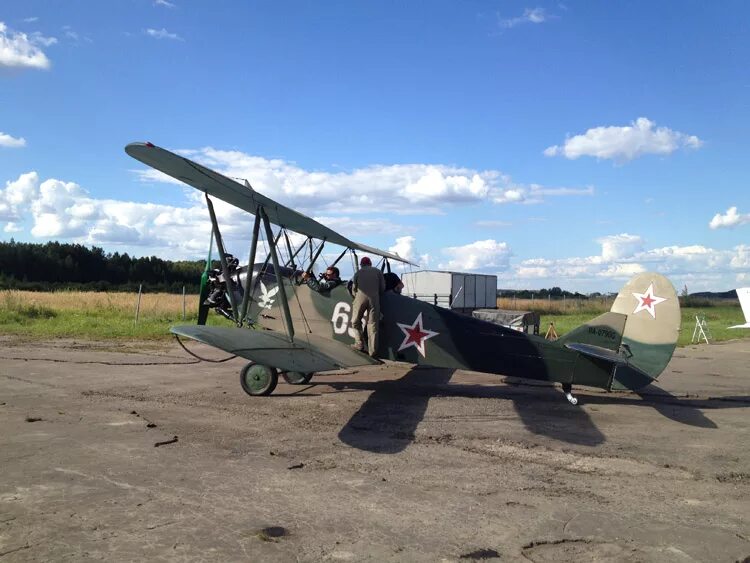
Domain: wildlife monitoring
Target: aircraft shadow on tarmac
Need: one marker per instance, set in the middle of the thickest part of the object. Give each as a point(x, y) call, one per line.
point(386, 422)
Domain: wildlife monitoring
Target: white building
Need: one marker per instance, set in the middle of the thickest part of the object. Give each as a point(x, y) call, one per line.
point(453, 290)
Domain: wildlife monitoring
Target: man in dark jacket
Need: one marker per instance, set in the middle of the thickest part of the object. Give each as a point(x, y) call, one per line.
point(329, 280)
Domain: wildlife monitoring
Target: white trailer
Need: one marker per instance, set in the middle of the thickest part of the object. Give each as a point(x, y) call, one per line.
point(452, 290)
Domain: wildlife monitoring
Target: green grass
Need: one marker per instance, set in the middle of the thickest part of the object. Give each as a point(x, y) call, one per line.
point(28, 318)
point(102, 326)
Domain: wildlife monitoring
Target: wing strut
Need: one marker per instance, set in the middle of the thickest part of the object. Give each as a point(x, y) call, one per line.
point(317, 253)
point(222, 257)
point(340, 257)
point(251, 262)
point(289, 250)
point(290, 262)
point(268, 258)
point(279, 279)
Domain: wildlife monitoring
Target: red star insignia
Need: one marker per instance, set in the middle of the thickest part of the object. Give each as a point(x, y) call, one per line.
point(648, 301)
point(415, 335)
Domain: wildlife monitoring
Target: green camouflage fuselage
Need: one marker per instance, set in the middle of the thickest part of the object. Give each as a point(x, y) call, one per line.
point(417, 332)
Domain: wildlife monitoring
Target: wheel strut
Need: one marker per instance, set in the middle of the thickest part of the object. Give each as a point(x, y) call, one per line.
point(568, 390)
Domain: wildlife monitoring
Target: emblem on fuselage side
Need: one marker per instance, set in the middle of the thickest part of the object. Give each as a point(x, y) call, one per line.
point(415, 335)
point(648, 301)
point(267, 295)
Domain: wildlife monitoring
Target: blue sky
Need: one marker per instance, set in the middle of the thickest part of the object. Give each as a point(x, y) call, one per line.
point(551, 144)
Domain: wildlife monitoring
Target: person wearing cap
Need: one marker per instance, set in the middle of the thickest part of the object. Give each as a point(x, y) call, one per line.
point(368, 284)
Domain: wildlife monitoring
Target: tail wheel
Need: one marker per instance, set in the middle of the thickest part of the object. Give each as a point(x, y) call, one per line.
point(297, 377)
point(258, 379)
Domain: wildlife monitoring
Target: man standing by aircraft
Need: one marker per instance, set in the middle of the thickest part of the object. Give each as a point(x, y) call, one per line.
point(368, 284)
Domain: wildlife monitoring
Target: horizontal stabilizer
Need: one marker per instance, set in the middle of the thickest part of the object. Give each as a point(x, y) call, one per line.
point(597, 352)
point(306, 354)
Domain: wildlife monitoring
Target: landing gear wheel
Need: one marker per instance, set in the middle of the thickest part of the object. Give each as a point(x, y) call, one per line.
point(297, 377)
point(258, 379)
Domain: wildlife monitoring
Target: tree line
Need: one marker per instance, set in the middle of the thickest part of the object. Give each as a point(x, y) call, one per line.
point(55, 265)
point(553, 293)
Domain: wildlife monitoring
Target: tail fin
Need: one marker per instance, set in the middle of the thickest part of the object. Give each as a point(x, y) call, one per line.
point(635, 339)
point(744, 295)
point(651, 330)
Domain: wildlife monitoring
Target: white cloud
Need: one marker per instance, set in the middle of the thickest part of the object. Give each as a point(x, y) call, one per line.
point(530, 15)
point(164, 3)
point(162, 34)
point(534, 193)
point(730, 219)
point(401, 189)
point(17, 195)
point(617, 247)
point(741, 258)
point(625, 143)
point(39, 39)
point(18, 49)
point(64, 210)
point(12, 227)
point(623, 256)
point(442, 184)
point(482, 255)
point(621, 271)
point(404, 247)
point(31, 19)
point(8, 141)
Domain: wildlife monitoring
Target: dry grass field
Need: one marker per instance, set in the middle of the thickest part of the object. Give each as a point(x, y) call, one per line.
point(93, 301)
point(94, 314)
point(556, 306)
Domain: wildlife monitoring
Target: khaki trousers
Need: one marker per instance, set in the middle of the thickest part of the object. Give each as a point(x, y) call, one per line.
point(370, 305)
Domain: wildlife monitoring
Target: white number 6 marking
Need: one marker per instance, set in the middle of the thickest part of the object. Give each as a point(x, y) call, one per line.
point(341, 317)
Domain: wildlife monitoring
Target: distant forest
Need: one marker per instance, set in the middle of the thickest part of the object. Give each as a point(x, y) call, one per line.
point(554, 293)
point(55, 265)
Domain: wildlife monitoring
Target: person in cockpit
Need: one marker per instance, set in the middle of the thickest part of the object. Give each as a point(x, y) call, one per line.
point(327, 282)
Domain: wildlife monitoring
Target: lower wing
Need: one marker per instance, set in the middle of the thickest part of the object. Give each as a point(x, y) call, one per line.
point(308, 353)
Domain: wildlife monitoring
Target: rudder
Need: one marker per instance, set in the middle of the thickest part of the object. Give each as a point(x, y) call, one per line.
point(651, 330)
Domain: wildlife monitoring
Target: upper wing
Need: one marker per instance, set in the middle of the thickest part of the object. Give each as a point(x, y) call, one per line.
point(306, 354)
point(244, 197)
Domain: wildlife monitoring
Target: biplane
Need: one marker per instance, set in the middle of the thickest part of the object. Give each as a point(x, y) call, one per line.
point(285, 328)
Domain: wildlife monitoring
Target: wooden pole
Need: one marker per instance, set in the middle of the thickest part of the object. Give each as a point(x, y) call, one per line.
point(183, 302)
point(138, 304)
